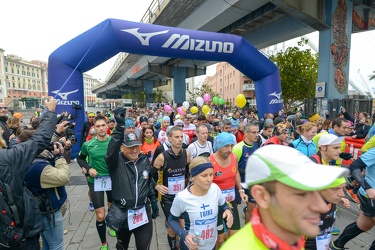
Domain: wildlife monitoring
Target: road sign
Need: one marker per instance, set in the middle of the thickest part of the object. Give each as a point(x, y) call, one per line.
point(320, 89)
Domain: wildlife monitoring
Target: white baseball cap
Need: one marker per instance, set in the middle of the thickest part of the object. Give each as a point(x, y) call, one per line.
point(329, 139)
point(290, 167)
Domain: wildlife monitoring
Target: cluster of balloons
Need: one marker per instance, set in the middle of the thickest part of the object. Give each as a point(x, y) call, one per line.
point(218, 101)
point(240, 101)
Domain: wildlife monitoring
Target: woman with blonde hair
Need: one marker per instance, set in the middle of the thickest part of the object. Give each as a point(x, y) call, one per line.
point(201, 202)
point(304, 143)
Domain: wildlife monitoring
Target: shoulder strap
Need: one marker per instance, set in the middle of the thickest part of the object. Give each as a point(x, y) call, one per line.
point(317, 158)
point(11, 204)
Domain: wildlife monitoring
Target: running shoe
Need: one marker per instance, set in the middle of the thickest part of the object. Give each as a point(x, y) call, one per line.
point(111, 232)
point(352, 195)
point(91, 206)
point(105, 247)
point(335, 231)
point(333, 247)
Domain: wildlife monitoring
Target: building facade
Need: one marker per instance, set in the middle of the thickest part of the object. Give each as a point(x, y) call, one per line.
point(23, 84)
point(88, 84)
point(229, 82)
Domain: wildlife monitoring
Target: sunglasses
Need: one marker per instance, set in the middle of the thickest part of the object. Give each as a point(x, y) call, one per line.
point(4, 108)
point(91, 116)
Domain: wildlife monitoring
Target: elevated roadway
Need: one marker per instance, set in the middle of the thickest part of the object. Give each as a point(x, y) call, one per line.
point(263, 23)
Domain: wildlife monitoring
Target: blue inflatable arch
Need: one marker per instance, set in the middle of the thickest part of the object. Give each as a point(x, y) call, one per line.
point(93, 47)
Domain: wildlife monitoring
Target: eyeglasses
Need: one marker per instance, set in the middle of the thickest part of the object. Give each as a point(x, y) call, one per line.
point(4, 108)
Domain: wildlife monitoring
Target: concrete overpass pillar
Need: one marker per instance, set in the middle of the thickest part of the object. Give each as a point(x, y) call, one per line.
point(148, 85)
point(334, 49)
point(179, 85)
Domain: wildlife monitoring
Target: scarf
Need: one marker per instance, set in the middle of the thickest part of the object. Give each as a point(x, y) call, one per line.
point(270, 240)
point(307, 142)
point(149, 140)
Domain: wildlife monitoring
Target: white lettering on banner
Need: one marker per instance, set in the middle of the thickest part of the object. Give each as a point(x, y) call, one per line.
point(63, 95)
point(183, 42)
point(278, 99)
point(61, 102)
point(144, 38)
point(64, 98)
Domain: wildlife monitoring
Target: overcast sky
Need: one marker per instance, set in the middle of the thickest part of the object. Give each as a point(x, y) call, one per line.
point(34, 29)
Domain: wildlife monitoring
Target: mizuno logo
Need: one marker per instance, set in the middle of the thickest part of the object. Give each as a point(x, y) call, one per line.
point(64, 95)
point(144, 38)
point(184, 42)
point(276, 95)
point(277, 99)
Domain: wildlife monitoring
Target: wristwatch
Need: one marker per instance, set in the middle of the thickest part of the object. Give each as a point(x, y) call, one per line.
point(242, 191)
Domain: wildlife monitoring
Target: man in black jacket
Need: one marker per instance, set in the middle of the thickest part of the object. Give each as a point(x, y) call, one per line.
point(86, 127)
point(132, 188)
point(13, 164)
point(3, 121)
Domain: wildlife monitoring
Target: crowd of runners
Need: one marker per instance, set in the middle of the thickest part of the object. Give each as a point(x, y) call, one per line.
point(288, 169)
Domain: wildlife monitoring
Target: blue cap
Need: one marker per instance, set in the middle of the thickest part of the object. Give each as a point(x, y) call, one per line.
point(129, 122)
point(223, 139)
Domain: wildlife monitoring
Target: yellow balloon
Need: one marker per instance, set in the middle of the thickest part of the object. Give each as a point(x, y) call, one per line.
point(205, 109)
point(194, 110)
point(241, 100)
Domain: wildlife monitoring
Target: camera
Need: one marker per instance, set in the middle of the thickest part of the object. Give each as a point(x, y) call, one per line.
point(51, 145)
point(71, 135)
point(76, 106)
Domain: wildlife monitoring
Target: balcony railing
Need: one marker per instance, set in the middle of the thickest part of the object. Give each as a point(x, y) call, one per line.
point(252, 102)
point(248, 87)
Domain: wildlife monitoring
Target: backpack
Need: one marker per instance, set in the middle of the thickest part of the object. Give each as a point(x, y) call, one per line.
point(20, 217)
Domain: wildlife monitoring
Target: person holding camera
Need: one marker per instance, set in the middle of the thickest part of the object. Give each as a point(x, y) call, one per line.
point(46, 178)
point(133, 188)
point(99, 180)
point(13, 164)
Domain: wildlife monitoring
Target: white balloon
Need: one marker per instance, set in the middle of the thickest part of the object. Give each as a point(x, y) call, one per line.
point(186, 105)
point(199, 101)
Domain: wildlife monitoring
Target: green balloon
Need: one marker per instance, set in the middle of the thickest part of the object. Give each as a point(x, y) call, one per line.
point(215, 100)
point(221, 101)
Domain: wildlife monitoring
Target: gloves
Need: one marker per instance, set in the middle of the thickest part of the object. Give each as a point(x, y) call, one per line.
point(155, 209)
point(346, 156)
point(120, 116)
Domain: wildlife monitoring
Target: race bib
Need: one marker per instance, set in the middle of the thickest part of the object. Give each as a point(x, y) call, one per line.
point(137, 218)
point(176, 184)
point(322, 242)
point(102, 183)
point(207, 228)
point(228, 194)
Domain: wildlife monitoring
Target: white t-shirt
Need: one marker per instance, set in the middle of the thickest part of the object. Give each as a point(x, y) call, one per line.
point(195, 149)
point(202, 212)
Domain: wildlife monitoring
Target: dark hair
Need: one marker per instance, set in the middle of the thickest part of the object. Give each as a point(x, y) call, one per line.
point(202, 118)
point(143, 132)
point(26, 134)
point(35, 122)
point(100, 118)
point(267, 126)
point(326, 124)
point(338, 122)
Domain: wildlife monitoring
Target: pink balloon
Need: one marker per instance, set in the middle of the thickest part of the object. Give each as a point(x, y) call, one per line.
point(167, 108)
point(207, 97)
point(180, 111)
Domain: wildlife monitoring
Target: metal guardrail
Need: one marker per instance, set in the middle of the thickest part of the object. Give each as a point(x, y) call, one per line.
point(149, 15)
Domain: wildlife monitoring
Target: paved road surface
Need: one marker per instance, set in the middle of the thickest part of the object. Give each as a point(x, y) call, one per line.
point(82, 233)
